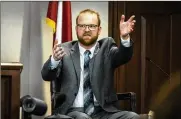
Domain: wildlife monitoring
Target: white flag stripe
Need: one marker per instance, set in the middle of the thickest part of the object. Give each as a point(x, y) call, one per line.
point(59, 23)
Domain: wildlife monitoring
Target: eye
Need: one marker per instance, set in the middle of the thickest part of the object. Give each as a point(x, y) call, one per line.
point(81, 25)
point(92, 26)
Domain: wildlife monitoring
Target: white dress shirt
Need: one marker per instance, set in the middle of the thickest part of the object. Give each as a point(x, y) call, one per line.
point(78, 102)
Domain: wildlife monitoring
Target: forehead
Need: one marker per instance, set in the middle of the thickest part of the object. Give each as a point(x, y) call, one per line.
point(87, 18)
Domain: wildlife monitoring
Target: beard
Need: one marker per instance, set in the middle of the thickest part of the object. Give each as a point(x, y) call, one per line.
point(86, 39)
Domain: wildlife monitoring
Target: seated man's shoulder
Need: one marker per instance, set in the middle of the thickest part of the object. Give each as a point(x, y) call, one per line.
point(68, 44)
point(107, 40)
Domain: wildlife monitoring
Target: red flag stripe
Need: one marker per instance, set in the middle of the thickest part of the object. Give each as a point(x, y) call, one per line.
point(51, 20)
point(66, 22)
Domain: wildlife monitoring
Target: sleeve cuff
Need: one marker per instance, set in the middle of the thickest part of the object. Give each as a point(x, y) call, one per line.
point(54, 63)
point(126, 43)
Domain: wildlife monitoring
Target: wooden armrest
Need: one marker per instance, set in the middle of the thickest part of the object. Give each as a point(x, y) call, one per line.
point(126, 96)
point(131, 96)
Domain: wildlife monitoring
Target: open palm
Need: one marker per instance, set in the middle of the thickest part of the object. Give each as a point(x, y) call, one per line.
point(126, 27)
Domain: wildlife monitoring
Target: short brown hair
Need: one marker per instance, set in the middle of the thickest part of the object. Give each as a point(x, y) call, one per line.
point(89, 11)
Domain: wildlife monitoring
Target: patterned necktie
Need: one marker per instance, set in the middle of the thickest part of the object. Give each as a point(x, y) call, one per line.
point(88, 94)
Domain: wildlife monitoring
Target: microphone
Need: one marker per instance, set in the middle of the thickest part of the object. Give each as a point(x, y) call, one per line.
point(32, 106)
point(158, 67)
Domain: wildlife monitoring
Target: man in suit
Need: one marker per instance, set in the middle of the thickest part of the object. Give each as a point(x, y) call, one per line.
point(85, 69)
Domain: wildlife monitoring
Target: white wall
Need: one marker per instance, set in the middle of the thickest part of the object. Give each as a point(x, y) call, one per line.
point(11, 30)
point(26, 38)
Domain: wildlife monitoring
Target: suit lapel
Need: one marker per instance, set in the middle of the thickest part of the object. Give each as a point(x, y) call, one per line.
point(75, 55)
point(91, 64)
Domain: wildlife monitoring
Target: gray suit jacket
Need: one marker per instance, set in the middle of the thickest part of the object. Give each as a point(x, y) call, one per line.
point(107, 58)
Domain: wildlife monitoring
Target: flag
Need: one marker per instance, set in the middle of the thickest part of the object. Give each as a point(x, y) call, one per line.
point(59, 18)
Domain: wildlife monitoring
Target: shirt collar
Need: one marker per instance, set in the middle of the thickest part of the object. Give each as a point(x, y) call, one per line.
point(82, 50)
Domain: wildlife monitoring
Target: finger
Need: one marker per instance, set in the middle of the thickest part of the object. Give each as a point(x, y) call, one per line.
point(58, 49)
point(60, 56)
point(131, 18)
point(60, 52)
point(54, 47)
point(134, 21)
point(122, 18)
point(56, 42)
point(59, 45)
point(131, 29)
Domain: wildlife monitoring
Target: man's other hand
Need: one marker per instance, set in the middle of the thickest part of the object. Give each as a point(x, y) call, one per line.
point(58, 52)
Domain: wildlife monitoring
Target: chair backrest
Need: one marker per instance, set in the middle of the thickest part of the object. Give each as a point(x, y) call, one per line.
point(54, 89)
point(131, 97)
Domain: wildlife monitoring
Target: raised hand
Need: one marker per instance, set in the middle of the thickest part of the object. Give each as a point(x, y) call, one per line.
point(126, 27)
point(58, 52)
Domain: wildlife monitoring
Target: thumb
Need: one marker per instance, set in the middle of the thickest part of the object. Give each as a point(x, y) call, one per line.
point(122, 19)
point(56, 41)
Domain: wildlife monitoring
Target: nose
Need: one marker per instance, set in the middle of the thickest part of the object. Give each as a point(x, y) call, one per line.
point(87, 28)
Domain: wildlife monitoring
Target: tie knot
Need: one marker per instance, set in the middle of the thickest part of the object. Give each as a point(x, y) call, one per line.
point(87, 52)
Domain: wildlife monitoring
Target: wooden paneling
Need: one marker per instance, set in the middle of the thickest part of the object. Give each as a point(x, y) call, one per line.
point(175, 44)
point(10, 90)
point(5, 97)
point(156, 45)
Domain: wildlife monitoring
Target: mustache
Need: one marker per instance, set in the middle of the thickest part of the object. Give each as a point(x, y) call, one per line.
point(87, 34)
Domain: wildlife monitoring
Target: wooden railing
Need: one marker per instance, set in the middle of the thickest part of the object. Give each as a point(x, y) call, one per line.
point(10, 90)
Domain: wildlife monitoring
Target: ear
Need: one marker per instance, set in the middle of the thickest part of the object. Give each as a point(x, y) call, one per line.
point(99, 30)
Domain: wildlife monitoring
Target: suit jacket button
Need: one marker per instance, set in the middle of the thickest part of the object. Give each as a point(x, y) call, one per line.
point(75, 94)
